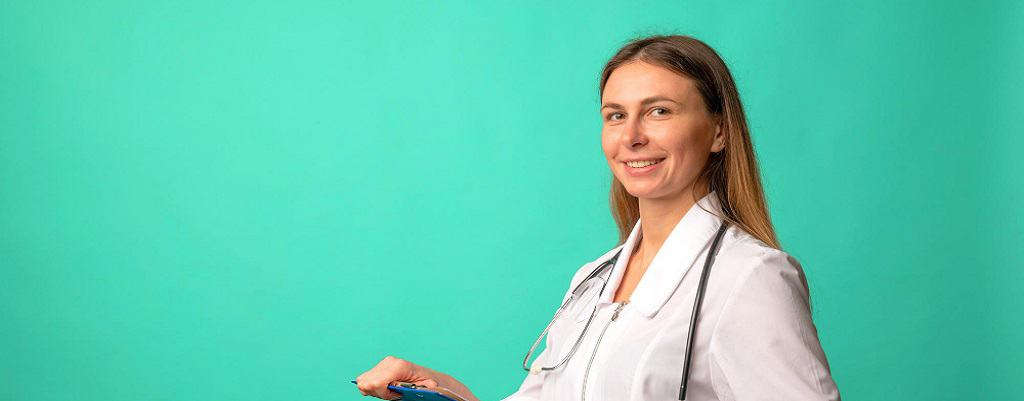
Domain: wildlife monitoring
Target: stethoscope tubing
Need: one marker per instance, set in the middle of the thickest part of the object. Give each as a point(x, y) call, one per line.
point(699, 299)
point(701, 287)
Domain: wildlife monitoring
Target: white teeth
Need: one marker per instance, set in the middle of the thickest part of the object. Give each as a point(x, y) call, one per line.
point(644, 163)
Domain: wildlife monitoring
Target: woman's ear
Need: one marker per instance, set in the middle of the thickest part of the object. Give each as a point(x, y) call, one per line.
point(719, 142)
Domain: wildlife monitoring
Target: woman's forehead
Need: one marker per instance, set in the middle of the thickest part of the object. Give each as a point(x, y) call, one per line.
point(639, 83)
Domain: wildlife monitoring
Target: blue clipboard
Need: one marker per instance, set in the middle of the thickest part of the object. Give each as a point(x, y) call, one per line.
point(411, 392)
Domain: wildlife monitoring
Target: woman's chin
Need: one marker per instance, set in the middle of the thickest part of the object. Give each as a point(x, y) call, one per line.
point(642, 192)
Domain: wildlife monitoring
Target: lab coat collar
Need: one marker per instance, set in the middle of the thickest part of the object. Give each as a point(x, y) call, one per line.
point(691, 235)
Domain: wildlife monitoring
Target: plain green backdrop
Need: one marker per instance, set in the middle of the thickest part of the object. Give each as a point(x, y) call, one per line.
point(208, 200)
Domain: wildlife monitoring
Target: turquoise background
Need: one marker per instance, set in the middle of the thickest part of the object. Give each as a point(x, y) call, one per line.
point(260, 200)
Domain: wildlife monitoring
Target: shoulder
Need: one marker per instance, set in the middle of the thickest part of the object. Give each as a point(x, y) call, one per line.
point(759, 271)
point(739, 245)
point(764, 328)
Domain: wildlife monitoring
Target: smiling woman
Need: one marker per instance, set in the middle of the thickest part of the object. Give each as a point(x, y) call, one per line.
point(646, 320)
point(681, 90)
point(655, 119)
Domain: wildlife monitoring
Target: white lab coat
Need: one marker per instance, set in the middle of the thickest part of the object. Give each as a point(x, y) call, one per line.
point(755, 337)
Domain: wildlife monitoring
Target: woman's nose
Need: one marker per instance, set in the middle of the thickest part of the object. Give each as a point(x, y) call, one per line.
point(633, 136)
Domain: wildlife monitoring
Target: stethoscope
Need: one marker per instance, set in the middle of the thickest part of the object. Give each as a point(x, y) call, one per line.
point(600, 270)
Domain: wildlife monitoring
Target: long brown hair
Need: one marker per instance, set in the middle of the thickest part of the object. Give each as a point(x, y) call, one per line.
point(732, 172)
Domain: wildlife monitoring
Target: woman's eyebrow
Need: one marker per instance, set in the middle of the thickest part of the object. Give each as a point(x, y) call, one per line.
point(644, 102)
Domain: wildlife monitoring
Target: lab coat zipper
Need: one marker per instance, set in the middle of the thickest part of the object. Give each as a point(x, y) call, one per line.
point(586, 374)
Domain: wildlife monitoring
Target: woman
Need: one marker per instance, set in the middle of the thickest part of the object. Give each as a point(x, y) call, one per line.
point(685, 181)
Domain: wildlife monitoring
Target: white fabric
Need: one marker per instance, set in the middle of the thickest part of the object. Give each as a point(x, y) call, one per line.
point(755, 337)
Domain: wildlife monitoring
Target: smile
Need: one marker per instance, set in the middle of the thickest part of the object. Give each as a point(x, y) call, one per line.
point(643, 163)
point(642, 167)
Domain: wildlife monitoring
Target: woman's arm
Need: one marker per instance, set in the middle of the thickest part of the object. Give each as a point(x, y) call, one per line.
point(375, 381)
point(391, 369)
point(765, 345)
point(446, 381)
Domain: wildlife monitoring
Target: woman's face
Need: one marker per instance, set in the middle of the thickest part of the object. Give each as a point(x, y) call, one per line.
point(652, 114)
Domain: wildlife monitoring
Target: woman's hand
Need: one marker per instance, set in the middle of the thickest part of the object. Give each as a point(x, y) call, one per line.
point(375, 381)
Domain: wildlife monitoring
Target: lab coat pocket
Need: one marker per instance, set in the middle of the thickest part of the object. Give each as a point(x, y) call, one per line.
point(580, 316)
point(587, 297)
point(564, 333)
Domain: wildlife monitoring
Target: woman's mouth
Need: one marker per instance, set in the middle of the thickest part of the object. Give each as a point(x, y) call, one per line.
point(642, 167)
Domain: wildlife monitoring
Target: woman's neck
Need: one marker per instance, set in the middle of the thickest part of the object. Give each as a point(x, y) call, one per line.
point(659, 217)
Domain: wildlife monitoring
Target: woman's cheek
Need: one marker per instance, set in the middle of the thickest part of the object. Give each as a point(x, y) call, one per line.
point(608, 147)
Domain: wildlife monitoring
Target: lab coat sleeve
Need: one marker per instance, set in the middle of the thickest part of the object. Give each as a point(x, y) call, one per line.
point(530, 389)
point(765, 345)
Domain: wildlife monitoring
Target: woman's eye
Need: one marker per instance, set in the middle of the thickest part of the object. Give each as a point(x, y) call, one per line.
point(611, 117)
